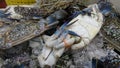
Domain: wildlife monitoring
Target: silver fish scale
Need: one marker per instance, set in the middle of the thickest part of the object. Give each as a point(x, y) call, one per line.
point(21, 30)
point(17, 32)
point(27, 11)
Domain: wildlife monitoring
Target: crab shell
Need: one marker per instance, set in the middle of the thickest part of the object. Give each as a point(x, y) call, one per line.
point(86, 26)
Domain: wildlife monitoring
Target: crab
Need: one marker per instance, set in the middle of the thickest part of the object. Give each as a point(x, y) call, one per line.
point(73, 34)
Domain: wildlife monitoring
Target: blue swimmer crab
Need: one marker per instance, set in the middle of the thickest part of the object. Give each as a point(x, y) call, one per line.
point(74, 34)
